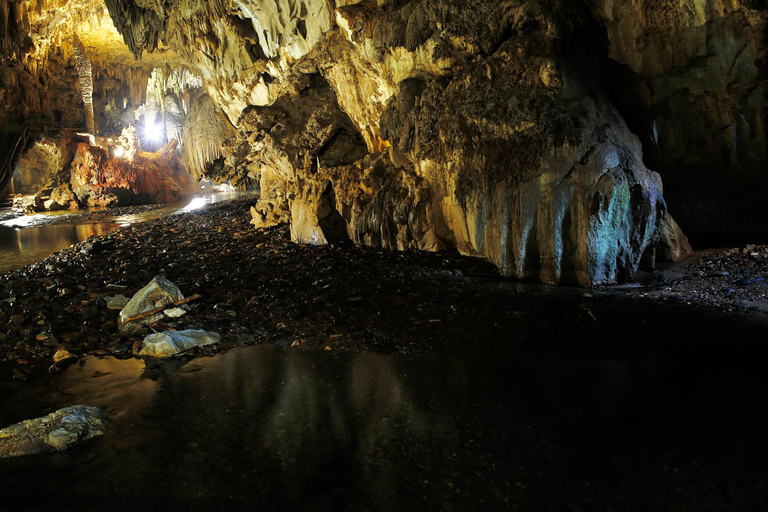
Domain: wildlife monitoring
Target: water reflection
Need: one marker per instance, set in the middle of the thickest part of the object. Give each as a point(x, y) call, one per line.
point(31, 238)
point(19, 247)
point(320, 431)
point(311, 430)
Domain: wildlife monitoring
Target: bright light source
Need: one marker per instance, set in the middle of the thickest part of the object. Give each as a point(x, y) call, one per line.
point(119, 152)
point(152, 131)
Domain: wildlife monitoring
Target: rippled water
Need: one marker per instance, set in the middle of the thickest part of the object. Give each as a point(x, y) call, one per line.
point(31, 238)
point(259, 428)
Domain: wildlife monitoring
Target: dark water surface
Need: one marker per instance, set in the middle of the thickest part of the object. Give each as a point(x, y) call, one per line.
point(260, 428)
point(31, 238)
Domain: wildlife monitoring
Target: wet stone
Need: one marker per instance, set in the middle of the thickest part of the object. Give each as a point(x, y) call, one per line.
point(116, 302)
point(18, 319)
point(169, 343)
point(123, 348)
point(54, 432)
point(158, 293)
point(90, 312)
point(63, 355)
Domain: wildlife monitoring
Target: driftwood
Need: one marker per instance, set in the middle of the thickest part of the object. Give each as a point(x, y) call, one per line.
point(161, 308)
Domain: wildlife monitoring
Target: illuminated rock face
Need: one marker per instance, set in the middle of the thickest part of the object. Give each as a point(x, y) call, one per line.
point(39, 166)
point(696, 96)
point(504, 130)
point(421, 140)
point(157, 178)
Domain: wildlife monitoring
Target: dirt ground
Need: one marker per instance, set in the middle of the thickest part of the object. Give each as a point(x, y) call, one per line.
point(258, 287)
point(641, 396)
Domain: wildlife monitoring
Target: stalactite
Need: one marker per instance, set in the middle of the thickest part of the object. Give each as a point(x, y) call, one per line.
point(6, 36)
point(204, 129)
point(86, 82)
point(141, 28)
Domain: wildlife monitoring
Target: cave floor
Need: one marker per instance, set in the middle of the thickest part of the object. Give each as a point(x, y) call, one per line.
point(258, 287)
point(646, 396)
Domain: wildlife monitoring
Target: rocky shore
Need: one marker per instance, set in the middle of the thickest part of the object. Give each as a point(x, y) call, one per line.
point(257, 287)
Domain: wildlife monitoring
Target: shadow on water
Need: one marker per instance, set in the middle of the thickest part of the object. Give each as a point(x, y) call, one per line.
point(301, 430)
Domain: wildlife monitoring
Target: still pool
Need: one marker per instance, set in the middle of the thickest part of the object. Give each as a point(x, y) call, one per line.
point(261, 428)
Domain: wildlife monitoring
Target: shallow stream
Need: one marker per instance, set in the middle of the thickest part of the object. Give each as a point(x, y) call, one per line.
point(31, 238)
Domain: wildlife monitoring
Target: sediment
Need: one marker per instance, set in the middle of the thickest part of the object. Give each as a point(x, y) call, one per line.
point(257, 287)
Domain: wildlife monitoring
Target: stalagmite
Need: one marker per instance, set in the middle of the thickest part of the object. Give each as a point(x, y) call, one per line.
point(85, 73)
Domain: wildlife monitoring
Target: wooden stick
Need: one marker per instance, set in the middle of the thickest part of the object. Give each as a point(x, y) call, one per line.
point(161, 308)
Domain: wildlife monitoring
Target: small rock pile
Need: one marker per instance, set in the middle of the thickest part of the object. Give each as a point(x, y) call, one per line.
point(733, 280)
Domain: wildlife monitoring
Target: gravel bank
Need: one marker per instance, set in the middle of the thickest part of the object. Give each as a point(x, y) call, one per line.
point(258, 287)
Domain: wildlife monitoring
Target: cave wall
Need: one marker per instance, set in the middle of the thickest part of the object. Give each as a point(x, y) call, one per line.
point(531, 133)
point(695, 93)
point(478, 138)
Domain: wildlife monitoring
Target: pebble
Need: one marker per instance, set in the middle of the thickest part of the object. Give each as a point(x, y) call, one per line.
point(123, 348)
point(63, 355)
point(116, 302)
point(90, 312)
point(18, 319)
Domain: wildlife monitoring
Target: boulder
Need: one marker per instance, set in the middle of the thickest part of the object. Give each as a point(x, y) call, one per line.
point(158, 293)
point(54, 432)
point(169, 343)
point(64, 198)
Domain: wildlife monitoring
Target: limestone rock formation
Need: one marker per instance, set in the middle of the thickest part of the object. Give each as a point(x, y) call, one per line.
point(54, 432)
point(539, 174)
point(69, 172)
point(170, 343)
point(40, 165)
point(62, 198)
point(157, 293)
point(695, 93)
point(673, 245)
point(506, 130)
point(149, 178)
point(203, 131)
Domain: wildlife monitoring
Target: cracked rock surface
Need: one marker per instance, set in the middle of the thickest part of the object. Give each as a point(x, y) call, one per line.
point(54, 432)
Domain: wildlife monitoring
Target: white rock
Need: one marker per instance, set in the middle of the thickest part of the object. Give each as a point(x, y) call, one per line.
point(169, 343)
point(158, 293)
point(55, 432)
point(174, 312)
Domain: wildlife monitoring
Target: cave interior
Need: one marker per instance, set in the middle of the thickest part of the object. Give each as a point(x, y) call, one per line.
point(566, 198)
